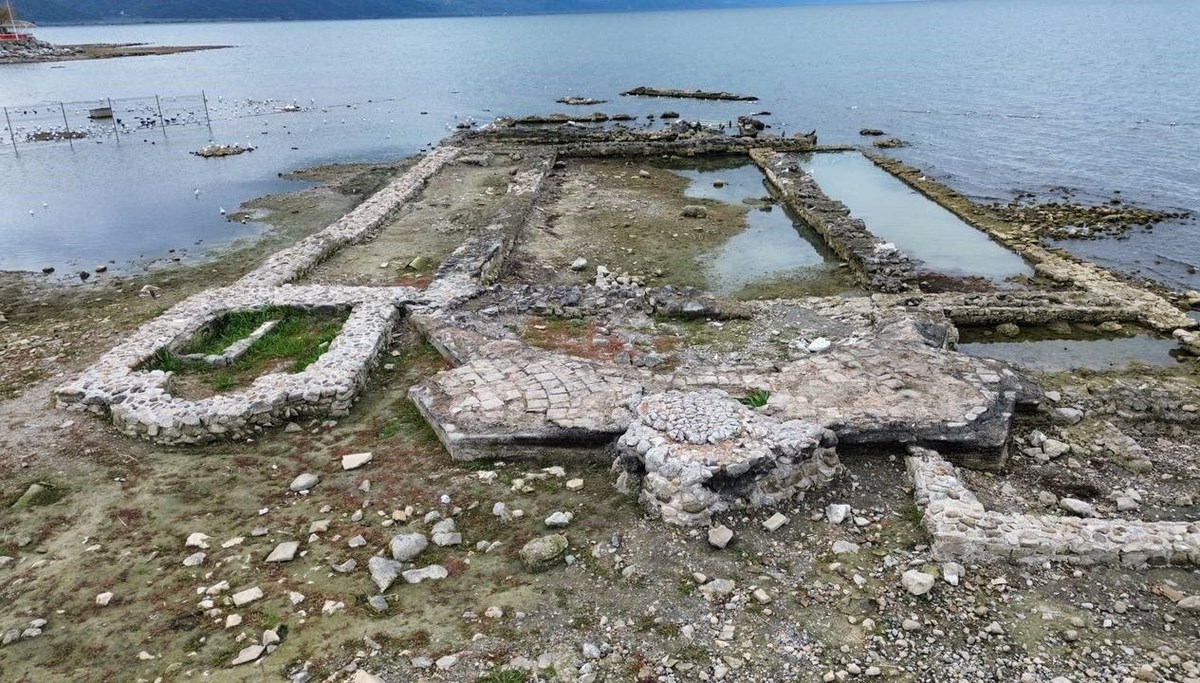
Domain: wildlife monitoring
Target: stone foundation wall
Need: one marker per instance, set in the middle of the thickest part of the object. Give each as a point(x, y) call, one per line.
point(880, 266)
point(963, 530)
point(141, 404)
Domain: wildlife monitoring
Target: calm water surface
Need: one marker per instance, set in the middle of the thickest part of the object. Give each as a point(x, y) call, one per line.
point(920, 227)
point(994, 95)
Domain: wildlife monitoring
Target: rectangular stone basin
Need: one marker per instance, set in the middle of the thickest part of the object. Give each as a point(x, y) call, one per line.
point(775, 255)
point(916, 225)
point(1043, 351)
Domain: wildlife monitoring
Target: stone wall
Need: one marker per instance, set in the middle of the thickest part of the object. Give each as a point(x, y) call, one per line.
point(141, 403)
point(963, 530)
point(879, 265)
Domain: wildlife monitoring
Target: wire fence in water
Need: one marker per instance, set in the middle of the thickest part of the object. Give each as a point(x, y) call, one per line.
point(84, 120)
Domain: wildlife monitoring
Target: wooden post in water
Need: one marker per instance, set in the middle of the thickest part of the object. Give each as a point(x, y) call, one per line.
point(207, 118)
point(161, 121)
point(12, 134)
point(115, 124)
point(66, 125)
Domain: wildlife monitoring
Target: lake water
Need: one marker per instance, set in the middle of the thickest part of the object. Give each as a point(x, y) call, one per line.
point(993, 95)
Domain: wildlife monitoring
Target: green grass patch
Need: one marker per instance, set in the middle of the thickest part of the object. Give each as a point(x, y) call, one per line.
point(232, 327)
point(499, 675)
point(300, 337)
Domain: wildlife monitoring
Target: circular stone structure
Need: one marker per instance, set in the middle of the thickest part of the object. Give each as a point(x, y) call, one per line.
point(696, 453)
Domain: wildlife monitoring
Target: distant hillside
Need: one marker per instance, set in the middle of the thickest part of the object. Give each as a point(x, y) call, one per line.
point(111, 11)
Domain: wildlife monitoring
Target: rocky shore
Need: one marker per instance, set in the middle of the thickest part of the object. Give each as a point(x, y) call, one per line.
point(34, 51)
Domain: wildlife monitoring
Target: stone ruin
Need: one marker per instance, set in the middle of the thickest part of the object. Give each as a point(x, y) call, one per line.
point(877, 370)
point(700, 452)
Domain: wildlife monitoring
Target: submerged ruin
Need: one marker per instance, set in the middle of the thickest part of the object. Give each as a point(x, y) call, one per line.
point(548, 351)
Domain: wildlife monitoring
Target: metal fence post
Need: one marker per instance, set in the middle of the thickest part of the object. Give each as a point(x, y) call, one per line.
point(161, 121)
point(66, 125)
point(115, 124)
point(207, 118)
point(12, 134)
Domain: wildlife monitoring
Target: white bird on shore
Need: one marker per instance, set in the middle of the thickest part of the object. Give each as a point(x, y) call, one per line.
point(31, 212)
point(196, 193)
point(45, 205)
point(222, 210)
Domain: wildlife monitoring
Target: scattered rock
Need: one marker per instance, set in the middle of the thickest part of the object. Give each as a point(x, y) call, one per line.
point(694, 211)
point(952, 573)
point(432, 572)
point(717, 588)
point(720, 536)
point(836, 513)
point(542, 553)
point(248, 654)
point(916, 582)
point(245, 597)
point(559, 519)
point(284, 552)
point(383, 571)
point(1077, 507)
point(775, 521)
point(304, 482)
point(844, 547)
point(1190, 603)
point(355, 460)
point(443, 533)
point(407, 546)
point(197, 540)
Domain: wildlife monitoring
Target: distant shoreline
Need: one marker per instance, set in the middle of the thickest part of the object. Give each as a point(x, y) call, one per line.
point(74, 53)
point(139, 21)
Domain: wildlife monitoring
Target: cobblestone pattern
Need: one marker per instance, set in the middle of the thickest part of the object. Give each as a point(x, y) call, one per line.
point(509, 396)
point(693, 454)
point(963, 530)
point(880, 265)
point(140, 402)
point(880, 383)
point(889, 386)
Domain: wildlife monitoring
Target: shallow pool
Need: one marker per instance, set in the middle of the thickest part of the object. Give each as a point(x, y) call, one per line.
point(775, 256)
point(1059, 355)
point(917, 225)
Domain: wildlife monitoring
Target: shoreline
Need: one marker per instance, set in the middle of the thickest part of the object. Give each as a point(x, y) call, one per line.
point(88, 51)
